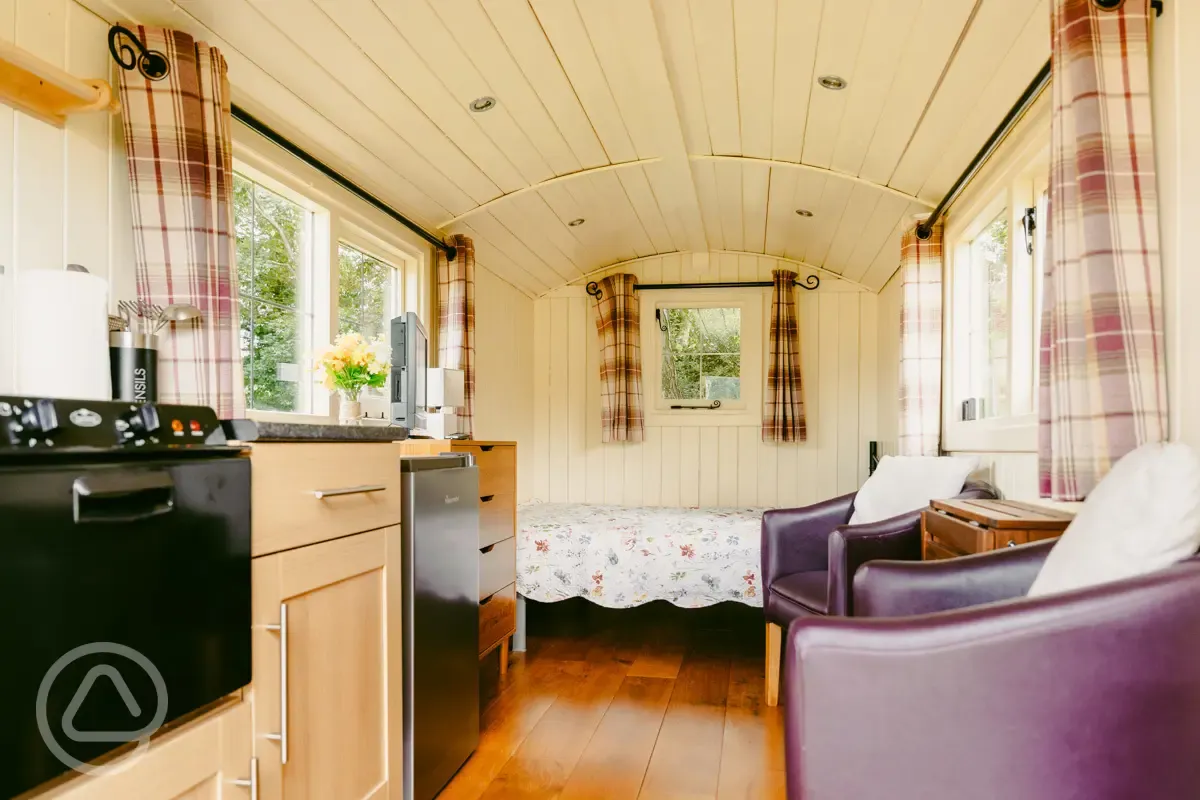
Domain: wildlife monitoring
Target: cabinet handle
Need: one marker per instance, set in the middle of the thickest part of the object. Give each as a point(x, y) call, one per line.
point(487, 498)
point(487, 549)
point(1011, 543)
point(282, 736)
point(486, 600)
point(321, 494)
point(250, 783)
point(487, 448)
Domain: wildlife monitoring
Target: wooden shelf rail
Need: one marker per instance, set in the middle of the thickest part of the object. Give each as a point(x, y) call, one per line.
point(42, 90)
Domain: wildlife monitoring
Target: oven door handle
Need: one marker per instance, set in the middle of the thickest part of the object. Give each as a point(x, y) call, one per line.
point(122, 496)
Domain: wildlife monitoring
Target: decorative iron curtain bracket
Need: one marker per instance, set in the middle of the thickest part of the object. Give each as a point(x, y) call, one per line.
point(810, 283)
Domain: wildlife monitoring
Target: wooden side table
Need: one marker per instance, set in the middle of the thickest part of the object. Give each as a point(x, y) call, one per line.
point(953, 528)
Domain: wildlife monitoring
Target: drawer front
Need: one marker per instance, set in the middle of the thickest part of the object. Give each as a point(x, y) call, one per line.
point(496, 519)
point(497, 467)
point(936, 552)
point(497, 567)
point(1008, 538)
point(957, 535)
point(497, 617)
point(307, 493)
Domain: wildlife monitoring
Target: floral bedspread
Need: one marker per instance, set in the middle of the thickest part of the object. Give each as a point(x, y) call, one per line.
point(621, 557)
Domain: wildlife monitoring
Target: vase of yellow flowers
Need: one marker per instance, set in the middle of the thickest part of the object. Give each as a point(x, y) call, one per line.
point(351, 365)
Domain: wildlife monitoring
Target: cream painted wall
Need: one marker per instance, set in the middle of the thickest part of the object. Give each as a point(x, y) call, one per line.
point(698, 459)
point(504, 370)
point(63, 193)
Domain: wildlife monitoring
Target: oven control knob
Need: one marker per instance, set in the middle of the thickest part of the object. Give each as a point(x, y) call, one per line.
point(37, 420)
point(142, 421)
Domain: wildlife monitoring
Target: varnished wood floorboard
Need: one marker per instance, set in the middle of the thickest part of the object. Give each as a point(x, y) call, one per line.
point(653, 702)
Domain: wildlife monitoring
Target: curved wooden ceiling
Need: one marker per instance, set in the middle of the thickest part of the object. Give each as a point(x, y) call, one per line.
point(668, 125)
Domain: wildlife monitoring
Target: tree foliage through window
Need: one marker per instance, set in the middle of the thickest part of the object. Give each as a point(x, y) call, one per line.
point(702, 353)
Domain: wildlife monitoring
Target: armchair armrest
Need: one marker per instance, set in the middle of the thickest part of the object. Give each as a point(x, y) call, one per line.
point(851, 546)
point(796, 539)
point(897, 589)
point(1019, 699)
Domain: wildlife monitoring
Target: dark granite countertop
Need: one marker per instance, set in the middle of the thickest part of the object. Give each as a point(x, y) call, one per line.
point(303, 432)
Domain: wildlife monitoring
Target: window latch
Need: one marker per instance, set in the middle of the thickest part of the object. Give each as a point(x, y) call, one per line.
point(658, 317)
point(713, 406)
point(1029, 224)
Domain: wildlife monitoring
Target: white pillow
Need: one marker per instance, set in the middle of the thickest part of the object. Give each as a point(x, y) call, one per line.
point(1144, 516)
point(907, 483)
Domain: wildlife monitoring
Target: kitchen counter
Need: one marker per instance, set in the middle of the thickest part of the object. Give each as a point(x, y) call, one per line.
point(304, 432)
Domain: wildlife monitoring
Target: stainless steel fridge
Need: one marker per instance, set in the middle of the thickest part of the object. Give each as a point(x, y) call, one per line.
point(440, 559)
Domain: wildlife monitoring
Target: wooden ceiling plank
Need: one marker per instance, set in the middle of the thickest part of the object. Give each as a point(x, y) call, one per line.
point(755, 187)
point(568, 36)
point(754, 39)
point(705, 177)
point(614, 245)
point(674, 206)
point(712, 28)
point(827, 215)
point(500, 265)
point(810, 188)
point(275, 103)
point(780, 211)
point(443, 54)
point(645, 205)
point(529, 47)
point(729, 189)
point(321, 53)
point(492, 58)
point(932, 38)
point(414, 86)
point(842, 28)
point(993, 33)
point(851, 227)
point(797, 27)
point(888, 30)
point(728, 267)
point(616, 203)
point(591, 235)
point(540, 217)
point(884, 221)
point(506, 242)
point(516, 219)
point(886, 261)
point(675, 27)
point(1027, 56)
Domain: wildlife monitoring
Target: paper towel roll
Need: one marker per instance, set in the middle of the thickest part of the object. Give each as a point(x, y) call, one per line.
point(61, 326)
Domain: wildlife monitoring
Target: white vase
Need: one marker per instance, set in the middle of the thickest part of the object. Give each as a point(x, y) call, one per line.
point(349, 411)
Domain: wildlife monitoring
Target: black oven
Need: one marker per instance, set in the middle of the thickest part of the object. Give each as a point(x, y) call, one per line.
point(124, 581)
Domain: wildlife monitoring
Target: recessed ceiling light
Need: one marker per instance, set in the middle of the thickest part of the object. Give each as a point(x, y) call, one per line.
point(575, 223)
point(804, 212)
point(481, 104)
point(832, 82)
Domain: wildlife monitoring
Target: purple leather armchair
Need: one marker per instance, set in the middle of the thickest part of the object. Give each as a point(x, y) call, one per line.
point(1087, 695)
point(809, 556)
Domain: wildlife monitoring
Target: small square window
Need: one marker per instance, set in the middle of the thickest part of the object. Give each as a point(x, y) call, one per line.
point(701, 355)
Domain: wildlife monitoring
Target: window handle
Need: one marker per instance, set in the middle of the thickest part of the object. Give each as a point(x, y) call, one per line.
point(1029, 224)
point(715, 404)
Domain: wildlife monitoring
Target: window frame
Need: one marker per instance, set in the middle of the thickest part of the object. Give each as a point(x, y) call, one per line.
point(1013, 183)
point(747, 410)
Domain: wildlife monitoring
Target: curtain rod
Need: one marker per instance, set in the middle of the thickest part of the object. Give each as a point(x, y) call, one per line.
point(153, 65)
point(810, 283)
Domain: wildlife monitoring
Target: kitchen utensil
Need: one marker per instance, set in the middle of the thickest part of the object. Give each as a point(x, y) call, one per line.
point(176, 312)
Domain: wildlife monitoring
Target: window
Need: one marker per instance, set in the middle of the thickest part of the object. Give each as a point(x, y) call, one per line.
point(274, 276)
point(701, 355)
point(986, 279)
point(368, 293)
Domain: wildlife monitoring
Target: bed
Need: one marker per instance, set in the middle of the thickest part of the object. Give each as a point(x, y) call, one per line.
point(620, 557)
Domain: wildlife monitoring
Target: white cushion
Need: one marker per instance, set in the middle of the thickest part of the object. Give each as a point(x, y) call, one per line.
point(1144, 516)
point(907, 483)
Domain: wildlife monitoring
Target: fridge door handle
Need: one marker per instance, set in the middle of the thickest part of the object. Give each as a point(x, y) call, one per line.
point(282, 736)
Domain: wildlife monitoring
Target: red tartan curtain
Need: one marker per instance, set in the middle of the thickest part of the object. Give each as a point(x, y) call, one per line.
point(618, 323)
point(921, 344)
point(179, 147)
point(1103, 384)
point(456, 319)
point(783, 404)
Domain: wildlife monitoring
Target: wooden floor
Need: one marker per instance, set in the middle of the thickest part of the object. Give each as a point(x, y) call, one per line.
point(652, 702)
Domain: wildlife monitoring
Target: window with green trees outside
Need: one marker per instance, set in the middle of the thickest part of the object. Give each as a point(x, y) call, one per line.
point(701, 354)
point(366, 293)
point(273, 235)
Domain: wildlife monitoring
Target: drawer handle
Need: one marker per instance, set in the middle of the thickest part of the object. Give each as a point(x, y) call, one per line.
point(321, 494)
point(1011, 543)
point(487, 448)
point(487, 498)
point(487, 549)
point(282, 736)
point(486, 600)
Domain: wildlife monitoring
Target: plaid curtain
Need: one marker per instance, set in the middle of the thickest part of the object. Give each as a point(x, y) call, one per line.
point(1103, 386)
point(618, 322)
point(178, 144)
point(921, 344)
point(783, 405)
point(456, 319)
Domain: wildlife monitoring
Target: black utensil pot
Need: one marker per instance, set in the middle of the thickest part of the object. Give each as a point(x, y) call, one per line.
point(134, 361)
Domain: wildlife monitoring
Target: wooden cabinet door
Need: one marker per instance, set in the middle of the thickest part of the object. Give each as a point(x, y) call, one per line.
point(320, 670)
point(209, 759)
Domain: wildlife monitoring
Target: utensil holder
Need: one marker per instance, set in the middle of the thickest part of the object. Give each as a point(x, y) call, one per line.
point(134, 361)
